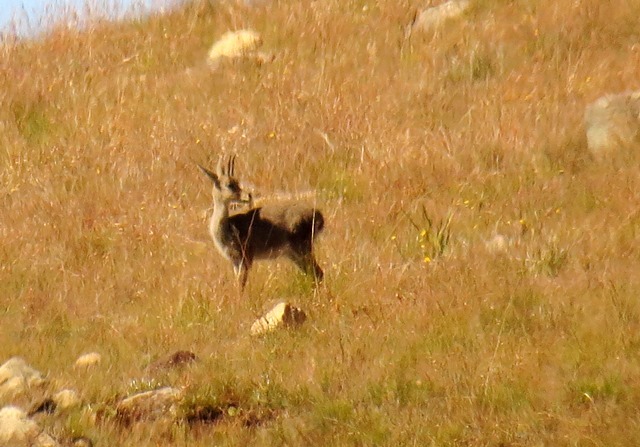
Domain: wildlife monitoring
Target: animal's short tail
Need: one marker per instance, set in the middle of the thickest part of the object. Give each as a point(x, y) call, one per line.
point(310, 225)
point(318, 222)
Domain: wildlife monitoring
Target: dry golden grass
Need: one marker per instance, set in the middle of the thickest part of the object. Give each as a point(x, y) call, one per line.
point(422, 334)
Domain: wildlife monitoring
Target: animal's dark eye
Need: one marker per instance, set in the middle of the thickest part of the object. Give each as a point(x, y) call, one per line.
point(233, 186)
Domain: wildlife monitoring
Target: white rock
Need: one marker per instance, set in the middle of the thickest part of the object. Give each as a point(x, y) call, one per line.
point(283, 314)
point(17, 430)
point(88, 360)
point(612, 123)
point(82, 441)
point(234, 44)
point(498, 244)
point(16, 377)
point(65, 399)
point(44, 440)
point(434, 17)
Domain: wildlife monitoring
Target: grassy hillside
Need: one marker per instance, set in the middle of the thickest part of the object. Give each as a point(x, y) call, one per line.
point(519, 329)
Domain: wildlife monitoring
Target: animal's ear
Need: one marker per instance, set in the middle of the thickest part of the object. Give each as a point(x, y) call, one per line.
point(214, 178)
point(220, 168)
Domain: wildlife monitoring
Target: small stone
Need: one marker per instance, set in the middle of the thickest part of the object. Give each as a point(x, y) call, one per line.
point(88, 360)
point(282, 315)
point(156, 404)
point(498, 244)
point(176, 360)
point(81, 441)
point(65, 399)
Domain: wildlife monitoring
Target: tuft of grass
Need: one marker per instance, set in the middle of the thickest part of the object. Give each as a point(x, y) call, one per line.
point(140, 386)
point(32, 122)
point(548, 260)
point(229, 402)
point(505, 397)
point(595, 390)
point(434, 236)
point(338, 183)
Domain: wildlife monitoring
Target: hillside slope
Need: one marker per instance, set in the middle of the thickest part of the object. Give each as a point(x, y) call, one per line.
point(481, 267)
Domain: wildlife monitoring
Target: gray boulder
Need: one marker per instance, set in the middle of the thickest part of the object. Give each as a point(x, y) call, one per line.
point(434, 17)
point(159, 404)
point(612, 123)
point(18, 378)
point(17, 430)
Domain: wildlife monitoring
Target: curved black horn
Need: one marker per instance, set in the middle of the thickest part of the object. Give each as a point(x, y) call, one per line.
point(232, 165)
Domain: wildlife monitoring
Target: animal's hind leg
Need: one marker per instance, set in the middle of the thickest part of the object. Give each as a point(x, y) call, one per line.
point(241, 270)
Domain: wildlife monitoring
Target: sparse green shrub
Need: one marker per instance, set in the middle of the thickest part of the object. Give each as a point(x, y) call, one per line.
point(433, 235)
point(32, 122)
point(597, 389)
point(548, 260)
point(142, 385)
point(504, 397)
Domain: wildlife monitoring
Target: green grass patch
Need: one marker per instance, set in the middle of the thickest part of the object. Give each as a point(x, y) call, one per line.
point(32, 122)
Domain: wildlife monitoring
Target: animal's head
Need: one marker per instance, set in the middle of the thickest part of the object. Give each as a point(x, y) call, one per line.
point(226, 188)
